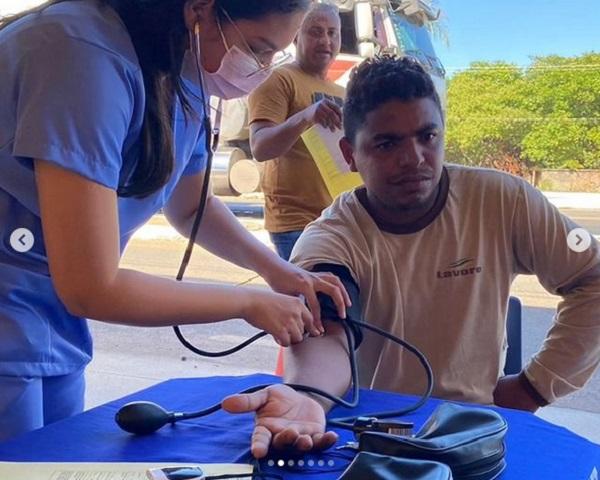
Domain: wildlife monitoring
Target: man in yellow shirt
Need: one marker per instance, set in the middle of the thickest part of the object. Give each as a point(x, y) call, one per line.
point(428, 251)
point(295, 97)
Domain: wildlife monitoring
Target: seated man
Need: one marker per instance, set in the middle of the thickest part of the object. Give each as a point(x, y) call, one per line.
point(428, 251)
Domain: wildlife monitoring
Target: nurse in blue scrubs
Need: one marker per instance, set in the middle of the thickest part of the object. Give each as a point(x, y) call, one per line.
point(101, 125)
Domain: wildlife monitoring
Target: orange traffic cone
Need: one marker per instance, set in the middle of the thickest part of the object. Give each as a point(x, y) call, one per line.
point(279, 367)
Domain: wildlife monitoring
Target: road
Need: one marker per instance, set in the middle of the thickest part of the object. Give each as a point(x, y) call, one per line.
point(129, 359)
point(589, 219)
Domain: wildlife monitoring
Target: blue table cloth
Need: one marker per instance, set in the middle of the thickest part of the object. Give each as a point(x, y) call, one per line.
point(536, 449)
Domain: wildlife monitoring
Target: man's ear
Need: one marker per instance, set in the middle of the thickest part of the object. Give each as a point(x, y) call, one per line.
point(348, 152)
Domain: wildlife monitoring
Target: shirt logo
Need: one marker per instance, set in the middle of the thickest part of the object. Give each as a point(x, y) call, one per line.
point(460, 268)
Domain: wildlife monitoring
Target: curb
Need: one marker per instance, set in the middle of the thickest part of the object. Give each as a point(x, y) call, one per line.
point(584, 201)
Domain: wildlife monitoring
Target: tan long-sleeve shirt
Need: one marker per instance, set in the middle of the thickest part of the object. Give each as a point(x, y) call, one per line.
point(444, 287)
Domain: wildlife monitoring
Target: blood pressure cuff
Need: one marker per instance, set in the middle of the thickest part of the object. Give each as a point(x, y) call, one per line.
point(382, 467)
point(328, 308)
point(469, 440)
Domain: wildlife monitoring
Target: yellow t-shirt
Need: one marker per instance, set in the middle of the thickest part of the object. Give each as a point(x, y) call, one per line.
point(295, 193)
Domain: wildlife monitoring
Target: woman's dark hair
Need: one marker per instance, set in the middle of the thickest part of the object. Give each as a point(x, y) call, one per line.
point(381, 79)
point(159, 36)
point(253, 9)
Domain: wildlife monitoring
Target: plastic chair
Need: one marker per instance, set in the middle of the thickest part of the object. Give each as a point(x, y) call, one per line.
point(513, 334)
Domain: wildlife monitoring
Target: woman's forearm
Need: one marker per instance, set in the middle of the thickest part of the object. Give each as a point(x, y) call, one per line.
point(136, 298)
point(222, 234)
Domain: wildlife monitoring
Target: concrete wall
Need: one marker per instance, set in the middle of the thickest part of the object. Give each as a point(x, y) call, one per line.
point(567, 180)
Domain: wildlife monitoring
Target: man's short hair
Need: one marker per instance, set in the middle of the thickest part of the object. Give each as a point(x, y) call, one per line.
point(381, 79)
point(318, 8)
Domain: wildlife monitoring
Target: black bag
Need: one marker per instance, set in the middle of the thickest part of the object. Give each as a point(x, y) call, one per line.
point(469, 440)
point(372, 466)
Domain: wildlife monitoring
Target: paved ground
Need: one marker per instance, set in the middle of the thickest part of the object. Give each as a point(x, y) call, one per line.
point(128, 359)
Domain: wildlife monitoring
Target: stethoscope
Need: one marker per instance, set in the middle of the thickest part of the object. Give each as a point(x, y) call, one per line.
point(146, 417)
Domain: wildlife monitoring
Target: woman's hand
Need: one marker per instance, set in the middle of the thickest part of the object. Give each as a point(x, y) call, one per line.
point(284, 418)
point(285, 317)
point(292, 280)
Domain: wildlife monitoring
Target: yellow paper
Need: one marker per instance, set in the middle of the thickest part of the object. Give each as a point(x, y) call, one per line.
point(323, 145)
point(103, 471)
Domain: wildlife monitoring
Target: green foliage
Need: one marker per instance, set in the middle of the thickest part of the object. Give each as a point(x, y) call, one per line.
point(544, 116)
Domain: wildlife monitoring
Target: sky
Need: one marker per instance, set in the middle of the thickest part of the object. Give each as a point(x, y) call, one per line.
point(515, 30)
point(14, 6)
point(508, 30)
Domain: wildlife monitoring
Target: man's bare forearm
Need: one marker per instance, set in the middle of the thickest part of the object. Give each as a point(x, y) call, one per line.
point(270, 141)
point(320, 362)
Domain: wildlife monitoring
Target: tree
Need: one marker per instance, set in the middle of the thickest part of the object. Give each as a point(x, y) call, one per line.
point(485, 111)
point(546, 115)
point(563, 95)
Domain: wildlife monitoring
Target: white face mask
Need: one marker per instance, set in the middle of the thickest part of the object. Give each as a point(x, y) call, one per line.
point(238, 74)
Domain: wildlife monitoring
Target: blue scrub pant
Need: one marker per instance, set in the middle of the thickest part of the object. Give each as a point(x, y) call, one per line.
point(284, 242)
point(28, 403)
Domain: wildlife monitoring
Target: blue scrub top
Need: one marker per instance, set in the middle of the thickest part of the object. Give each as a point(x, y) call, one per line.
point(71, 93)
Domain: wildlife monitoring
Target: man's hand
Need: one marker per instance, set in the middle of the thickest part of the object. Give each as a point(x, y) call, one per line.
point(326, 113)
point(510, 393)
point(285, 419)
point(292, 280)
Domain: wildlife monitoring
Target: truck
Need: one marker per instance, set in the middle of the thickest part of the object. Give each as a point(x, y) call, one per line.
point(369, 27)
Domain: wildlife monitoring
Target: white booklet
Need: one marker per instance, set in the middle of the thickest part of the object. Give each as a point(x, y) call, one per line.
point(103, 471)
